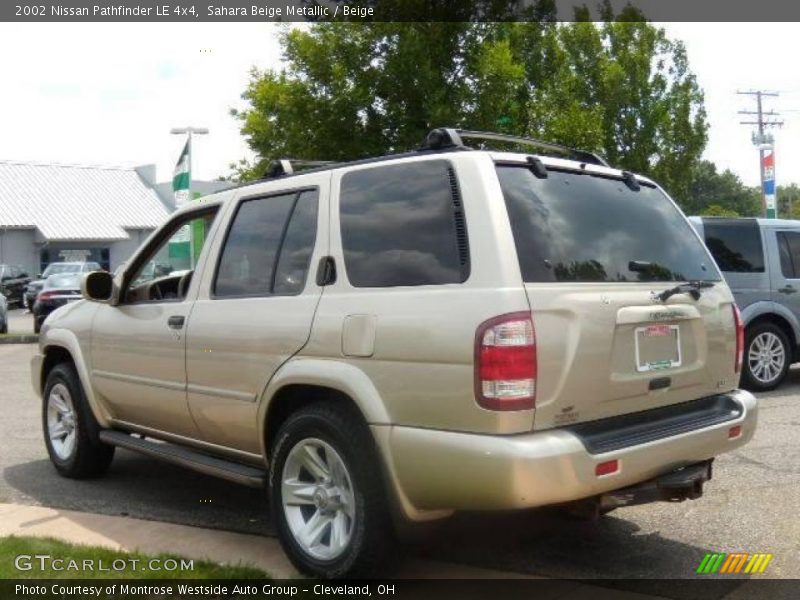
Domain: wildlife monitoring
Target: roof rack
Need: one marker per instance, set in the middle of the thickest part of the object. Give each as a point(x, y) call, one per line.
point(290, 166)
point(445, 137)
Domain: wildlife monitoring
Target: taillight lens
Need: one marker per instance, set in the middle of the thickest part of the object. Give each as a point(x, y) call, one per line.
point(46, 296)
point(505, 363)
point(737, 319)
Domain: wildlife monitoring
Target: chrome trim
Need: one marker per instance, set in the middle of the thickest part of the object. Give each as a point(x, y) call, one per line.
point(179, 439)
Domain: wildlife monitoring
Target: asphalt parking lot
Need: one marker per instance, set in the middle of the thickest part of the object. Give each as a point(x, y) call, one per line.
point(750, 506)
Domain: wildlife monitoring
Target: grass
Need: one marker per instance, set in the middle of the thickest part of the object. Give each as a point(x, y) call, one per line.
point(13, 546)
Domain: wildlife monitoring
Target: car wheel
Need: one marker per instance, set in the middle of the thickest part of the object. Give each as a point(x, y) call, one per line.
point(37, 325)
point(767, 355)
point(327, 496)
point(70, 429)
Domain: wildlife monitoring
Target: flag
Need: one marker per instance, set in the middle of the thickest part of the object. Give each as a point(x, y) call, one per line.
point(182, 176)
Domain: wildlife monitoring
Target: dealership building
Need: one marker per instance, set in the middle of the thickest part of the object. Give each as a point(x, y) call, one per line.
point(54, 213)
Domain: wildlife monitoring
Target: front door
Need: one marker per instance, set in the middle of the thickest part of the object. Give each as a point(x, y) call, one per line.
point(255, 306)
point(786, 282)
point(139, 345)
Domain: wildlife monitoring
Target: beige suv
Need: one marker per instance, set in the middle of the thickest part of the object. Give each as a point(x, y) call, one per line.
point(395, 339)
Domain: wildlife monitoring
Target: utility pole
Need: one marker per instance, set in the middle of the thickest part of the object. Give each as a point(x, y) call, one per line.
point(764, 141)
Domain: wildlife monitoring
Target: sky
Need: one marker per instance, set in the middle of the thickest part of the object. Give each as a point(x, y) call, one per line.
point(109, 94)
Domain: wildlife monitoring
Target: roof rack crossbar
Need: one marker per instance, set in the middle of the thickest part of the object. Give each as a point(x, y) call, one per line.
point(289, 166)
point(444, 137)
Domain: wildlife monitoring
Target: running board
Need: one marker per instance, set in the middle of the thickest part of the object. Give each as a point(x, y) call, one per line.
point(185, 457)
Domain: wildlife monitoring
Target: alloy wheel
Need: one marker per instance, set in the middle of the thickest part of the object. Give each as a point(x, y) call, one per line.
point(766, 357)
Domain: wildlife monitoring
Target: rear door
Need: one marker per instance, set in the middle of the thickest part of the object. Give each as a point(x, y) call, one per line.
point(594, 254)
point(255, 307)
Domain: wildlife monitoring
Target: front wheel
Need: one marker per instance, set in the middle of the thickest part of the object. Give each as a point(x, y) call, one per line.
point(70, 429)
point(766, 357)
point(327, 496)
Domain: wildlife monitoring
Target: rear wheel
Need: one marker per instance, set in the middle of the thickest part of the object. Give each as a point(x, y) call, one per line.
point(767, 355)
point(327, 496)
point(70, 429)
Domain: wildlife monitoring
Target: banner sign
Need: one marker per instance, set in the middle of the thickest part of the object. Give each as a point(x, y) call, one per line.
point(768, 177)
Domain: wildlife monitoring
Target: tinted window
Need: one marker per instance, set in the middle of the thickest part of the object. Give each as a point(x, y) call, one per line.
point(403, 225)
point(789, 247)
point(301, 233)
point(577, 227)
point(255, 246)
point(735, 245)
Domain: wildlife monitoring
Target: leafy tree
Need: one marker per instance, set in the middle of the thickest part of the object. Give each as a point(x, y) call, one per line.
point(719, 194)
point(349, 90)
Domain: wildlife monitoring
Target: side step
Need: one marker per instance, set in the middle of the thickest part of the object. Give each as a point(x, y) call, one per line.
point(185, 457)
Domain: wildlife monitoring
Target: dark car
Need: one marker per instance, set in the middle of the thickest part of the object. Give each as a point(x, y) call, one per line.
point(13, 280)
point(58, 290)
point(58, 268)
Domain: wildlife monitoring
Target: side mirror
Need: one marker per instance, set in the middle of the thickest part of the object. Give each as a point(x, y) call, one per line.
point(97, 286)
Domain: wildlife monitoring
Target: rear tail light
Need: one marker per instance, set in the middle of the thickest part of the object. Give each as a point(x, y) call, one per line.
point(607, 468)
point(734, 432)
point(505, 363)
point(46, 295)
point(737, 319)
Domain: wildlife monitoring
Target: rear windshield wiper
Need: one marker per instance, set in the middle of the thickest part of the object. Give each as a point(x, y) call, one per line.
point(690, 287)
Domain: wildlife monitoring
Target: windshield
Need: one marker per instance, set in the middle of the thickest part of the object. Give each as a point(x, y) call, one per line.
point(67, 281)
point(578, 227)
point(58, 268)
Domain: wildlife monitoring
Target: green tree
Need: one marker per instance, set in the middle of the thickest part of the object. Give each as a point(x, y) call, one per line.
point(349, 90)
point(719, 194)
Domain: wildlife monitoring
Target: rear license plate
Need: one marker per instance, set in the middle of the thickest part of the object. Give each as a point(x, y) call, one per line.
point(657, 347)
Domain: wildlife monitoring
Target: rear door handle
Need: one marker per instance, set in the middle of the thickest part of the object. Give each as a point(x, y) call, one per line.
point(176, 322)
point(789, 289)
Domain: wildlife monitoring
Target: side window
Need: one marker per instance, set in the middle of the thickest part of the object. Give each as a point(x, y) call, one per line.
point(269, 246)
point(403, 225)
point(158, 274)
point(735, 245)
point(789, 248)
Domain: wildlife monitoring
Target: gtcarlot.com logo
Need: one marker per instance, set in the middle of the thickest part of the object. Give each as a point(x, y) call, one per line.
point(740, 562)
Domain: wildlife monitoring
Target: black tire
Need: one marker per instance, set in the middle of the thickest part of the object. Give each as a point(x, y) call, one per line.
point(90, 457)
point(4, 327)
point(371, 548)
point(751, 380)
point(37, 325)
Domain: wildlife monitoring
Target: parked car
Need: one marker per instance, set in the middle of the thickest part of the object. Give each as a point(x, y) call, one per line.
point(58, 290)
point(13, 280)
point(408, 336)
point(57, 268)
point(3, 314)
point(760, 259)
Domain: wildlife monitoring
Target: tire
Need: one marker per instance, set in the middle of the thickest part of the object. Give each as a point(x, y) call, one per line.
point(765, 341)
point(4, 327)
point(344, 450)
point(37, 324)
point(79, 454)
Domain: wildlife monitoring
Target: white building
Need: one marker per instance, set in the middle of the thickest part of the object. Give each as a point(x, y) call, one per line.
point(51, 213)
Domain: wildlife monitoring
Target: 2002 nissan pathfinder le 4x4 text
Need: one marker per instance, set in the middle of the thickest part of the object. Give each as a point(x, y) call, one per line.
point(407, 336)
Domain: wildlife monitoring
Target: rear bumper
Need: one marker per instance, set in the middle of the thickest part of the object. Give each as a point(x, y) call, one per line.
point(442, 470)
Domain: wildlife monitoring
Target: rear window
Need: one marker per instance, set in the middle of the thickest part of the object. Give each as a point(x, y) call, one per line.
point(578, 227)
point(735, 245)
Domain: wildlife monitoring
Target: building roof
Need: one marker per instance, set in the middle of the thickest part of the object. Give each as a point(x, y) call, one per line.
point(77, 202)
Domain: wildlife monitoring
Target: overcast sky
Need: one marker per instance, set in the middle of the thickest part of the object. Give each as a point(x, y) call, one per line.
point(109, 94)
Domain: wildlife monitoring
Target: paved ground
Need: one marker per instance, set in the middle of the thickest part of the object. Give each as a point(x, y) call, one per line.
point(20, 321)
point(750, 506)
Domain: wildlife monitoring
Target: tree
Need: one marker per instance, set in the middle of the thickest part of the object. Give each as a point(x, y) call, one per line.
point(350, 90)
point(719, 194)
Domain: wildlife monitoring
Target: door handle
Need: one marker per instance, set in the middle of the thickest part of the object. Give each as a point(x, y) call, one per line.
point(789, 289)
point(176, 322)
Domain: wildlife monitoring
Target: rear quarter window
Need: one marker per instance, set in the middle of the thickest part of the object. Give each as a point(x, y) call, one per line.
point(735, 245)
point(403, 225)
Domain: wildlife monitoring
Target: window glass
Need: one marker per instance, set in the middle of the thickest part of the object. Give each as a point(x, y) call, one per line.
point(402, 225)
point(735, 245)
point(170, 260)
point(301, 233)
point(578, 227)
point(254, 261)
point(789, 244)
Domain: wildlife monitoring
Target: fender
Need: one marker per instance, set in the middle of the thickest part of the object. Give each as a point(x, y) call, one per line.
point(66, 339)
point(765, 307)
point(337, 375)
